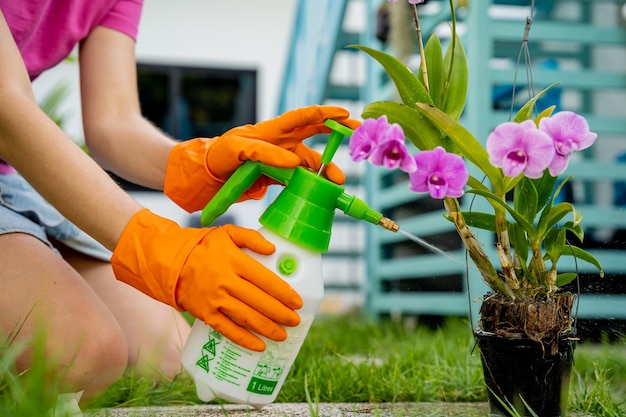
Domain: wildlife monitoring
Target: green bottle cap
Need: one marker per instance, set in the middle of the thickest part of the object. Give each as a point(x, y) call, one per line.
point(303, 212)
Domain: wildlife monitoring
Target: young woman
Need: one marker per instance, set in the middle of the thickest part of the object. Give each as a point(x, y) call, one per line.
point(84, 263)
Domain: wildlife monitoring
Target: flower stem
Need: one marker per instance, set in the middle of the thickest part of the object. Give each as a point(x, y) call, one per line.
point(502, 233)
point(420, 43)
point(504, 249)
point(537, 267)
point(475, 250)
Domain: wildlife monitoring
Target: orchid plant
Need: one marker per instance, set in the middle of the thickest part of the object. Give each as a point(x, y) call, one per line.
point(525, 157)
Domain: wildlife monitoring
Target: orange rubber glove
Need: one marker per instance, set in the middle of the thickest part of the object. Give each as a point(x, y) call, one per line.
point(206, 272)
point(197, 168)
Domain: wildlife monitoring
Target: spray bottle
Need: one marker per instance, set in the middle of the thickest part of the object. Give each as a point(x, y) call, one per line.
point(299, 224)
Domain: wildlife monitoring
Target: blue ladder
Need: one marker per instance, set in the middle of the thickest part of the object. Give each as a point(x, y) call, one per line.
point(401, 277)
point(319, 37)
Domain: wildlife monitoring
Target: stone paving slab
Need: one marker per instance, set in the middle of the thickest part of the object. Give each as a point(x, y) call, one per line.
point(434, 409)
point(303, 410)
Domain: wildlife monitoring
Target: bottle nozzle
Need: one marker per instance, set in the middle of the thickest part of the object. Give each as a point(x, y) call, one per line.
point(389, 224)
point(358, 209)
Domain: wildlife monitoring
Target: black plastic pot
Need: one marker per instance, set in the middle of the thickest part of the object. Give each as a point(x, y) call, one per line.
point(524, 375)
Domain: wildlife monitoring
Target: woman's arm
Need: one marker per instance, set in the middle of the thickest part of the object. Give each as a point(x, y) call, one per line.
point(117, 135)
point(50, 161)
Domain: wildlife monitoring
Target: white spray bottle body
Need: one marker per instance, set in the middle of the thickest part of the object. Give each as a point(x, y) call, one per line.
point(225, 370)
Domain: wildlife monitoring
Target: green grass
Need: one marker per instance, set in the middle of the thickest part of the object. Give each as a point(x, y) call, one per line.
point(349, 360)
point(22, 394)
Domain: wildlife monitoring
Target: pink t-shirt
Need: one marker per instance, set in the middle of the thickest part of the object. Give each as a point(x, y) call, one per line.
point(46, 31)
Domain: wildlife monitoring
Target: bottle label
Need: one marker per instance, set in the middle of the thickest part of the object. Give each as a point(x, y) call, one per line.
point(234, 365)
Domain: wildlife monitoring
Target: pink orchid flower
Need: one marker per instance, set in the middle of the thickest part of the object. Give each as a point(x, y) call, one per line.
point(383, 143)
point(520, 148)
point(569, 132)
point(365, 138)
point(439, 173)
point(391, 151)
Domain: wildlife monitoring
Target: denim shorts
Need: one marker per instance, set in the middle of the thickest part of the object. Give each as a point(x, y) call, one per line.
point(23, 210)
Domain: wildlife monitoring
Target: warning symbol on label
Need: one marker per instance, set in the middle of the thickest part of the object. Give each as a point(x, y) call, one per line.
point(209, 347)
point(203, 363)
point(207, 354)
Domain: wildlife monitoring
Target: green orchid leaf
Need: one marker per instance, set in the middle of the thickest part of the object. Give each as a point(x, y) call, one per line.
point(525, 224)
point(508, 183)
point(483, 221)
point(546, 219)
point(434, 65)
point(525, 199)
point(570, 250)
point(558, 189)
point(576, 230)
point(526, 112)
point(465, 141)
point(517, 236)
point(409, 87)
point(544, 187)
point(565, 278)
point(545, 113)
point(473, 182)
point(455, 88)
point(554, 244)
point(556, 214)
point(419, 130)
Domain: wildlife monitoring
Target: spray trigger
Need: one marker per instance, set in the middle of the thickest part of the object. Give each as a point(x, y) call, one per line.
point(337, 134)
point(303, 211)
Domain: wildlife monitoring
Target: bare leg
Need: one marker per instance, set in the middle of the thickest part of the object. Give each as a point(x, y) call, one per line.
point(155, 332)
point(41, 291)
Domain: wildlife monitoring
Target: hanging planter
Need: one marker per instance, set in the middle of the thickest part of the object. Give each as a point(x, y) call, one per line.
point(518, 171)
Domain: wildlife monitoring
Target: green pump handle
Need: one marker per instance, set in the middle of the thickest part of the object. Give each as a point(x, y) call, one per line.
point(334, 140)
